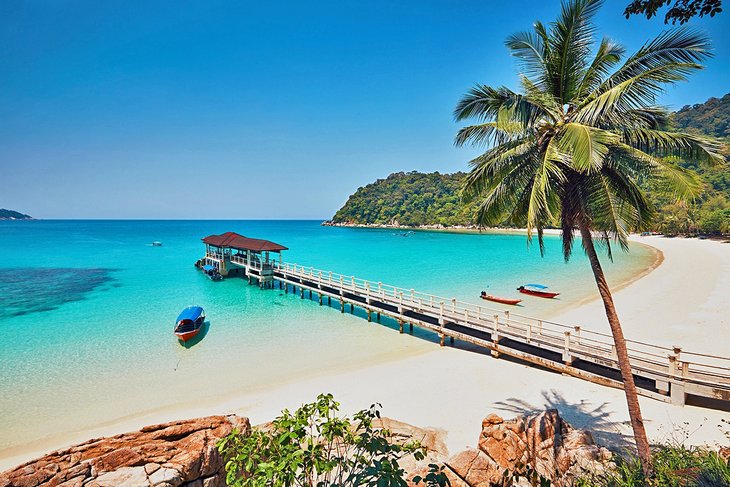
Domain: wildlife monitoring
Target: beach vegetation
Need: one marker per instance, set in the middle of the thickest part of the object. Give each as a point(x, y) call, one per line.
point(680, 11)
point(575, 145)
point(315, 446)
point(672, 465)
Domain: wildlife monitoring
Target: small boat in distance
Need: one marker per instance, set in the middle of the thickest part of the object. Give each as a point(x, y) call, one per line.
point(537, 290)
point(189, 322)
point(497, 299)
point(156, 244)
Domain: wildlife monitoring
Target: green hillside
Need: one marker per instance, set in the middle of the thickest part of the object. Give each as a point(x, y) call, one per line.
point(408, 199)
point(710, 118)
point(418, 199)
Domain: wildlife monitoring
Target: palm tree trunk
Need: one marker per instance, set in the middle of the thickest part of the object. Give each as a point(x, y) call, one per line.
point(632, 398)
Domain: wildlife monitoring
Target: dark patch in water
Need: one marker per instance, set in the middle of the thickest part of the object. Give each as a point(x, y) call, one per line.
point(34, 290)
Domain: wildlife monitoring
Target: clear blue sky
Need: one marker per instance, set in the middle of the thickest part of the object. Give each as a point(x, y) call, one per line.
point(121, 109)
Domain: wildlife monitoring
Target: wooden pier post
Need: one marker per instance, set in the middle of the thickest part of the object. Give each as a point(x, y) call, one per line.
point(400, 326)
point(301, 292)
point(410, 328)
point(320, 299)
point(567, 358)
point(370, 319)
point(378, 316)
point(677, 393)
point(342, 305)
point(495, 336)
point(329, 300)
point(442, 321)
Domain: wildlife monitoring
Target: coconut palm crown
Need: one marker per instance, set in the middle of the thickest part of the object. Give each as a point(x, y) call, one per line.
point(572, 148)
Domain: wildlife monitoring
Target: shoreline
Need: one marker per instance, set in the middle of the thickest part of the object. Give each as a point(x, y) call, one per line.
point(263, 403)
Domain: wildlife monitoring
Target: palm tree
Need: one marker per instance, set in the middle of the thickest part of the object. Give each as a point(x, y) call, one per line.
point(575, 146)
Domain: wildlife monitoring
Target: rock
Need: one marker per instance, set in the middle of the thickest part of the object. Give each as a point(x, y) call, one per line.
point(542, 442)
point(166, 476)
point(163, 455)
point(122, 477)
point(431, 438)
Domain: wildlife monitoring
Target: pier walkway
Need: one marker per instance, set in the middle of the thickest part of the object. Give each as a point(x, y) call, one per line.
point(667, 374)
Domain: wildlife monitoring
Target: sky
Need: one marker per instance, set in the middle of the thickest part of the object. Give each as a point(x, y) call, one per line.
point(256, 110)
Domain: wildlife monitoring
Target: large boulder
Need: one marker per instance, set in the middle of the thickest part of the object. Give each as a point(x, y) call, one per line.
point(180, 453)
point(540, 443)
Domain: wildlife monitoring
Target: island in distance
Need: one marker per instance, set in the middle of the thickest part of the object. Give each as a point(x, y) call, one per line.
point(13, 215)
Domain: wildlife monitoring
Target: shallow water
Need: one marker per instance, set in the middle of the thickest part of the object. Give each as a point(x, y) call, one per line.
point(88, 307)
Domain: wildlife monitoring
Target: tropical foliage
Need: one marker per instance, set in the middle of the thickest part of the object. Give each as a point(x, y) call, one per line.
point(314, 446)
point(709, 118)
point(681, 10)
point(408, 199)
point(573, 147)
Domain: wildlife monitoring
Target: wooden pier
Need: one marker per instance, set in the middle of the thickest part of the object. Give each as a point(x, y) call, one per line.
point(666, 374)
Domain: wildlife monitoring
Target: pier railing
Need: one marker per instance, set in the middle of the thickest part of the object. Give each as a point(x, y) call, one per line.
point(669, 371)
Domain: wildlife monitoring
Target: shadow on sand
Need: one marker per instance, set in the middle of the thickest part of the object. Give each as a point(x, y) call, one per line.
point(583, 415)
point(197, 338)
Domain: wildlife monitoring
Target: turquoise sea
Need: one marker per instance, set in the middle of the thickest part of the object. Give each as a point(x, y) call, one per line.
point(87, 311)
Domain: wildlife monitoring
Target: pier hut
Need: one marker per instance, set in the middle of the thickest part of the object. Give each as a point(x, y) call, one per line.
point(234, 254)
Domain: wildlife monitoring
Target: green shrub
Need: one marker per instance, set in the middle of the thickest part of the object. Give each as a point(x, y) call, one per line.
point(313, 446)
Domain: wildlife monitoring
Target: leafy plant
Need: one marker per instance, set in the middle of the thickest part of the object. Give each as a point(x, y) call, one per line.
point(313, 446)
point(571, 148)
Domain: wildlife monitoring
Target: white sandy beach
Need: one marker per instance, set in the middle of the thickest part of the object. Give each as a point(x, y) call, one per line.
point(683, 302)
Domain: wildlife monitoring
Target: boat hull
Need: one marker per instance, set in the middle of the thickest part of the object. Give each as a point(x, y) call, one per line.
point(185, 336)
point(539, 294)
point(189, 323)
point(497, 299)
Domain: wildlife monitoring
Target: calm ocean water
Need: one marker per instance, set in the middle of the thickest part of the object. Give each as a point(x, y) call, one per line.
point(87, 311)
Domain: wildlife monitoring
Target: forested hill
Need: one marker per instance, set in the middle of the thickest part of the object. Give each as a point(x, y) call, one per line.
point(13, 215)
point(417, 199)
point(408, 199)
point(711, 117)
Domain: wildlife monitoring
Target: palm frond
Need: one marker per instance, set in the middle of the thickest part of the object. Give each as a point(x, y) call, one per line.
point(493, 165)
point(486, 133)
point(637, 93)
point(587, 146)
point(683, 46)
point(608, 55)
point(570, 41)
point(682, 183)
point(531, 49)
point(485, 103)
point(663, 144)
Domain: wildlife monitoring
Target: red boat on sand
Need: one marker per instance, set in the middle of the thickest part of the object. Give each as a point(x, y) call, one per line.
point(540, 292)
point(497, 299)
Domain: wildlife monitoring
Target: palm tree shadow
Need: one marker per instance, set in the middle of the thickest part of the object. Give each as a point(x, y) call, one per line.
point(582, 415)
point(197, 338)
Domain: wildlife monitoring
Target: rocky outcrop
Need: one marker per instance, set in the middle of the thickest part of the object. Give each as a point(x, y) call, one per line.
point(543, 443)
point(180, 453)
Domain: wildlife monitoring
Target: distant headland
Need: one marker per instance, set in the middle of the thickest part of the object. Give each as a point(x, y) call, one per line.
point(13, 215)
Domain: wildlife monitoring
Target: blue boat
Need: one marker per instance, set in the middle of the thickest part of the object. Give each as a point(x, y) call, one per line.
point(189, 322)
point(212, 273)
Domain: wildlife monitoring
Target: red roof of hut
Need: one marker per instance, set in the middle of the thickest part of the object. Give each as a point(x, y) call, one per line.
point(239, 242)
